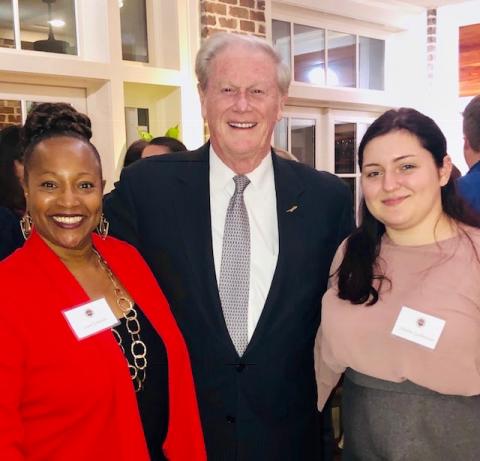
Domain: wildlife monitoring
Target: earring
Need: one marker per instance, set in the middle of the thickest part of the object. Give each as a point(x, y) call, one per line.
point(26, 224)
point(102, 228)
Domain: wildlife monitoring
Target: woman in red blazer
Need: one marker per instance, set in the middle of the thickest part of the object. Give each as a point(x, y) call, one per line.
point(92, 358)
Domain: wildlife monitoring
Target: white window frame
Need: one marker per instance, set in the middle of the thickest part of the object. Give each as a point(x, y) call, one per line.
point(362, 120)
point(17, 31)
point(326, 50)
point(325, 120)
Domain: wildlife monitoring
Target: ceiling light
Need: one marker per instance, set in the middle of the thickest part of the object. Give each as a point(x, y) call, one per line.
point(51, 44)
point(57, 22)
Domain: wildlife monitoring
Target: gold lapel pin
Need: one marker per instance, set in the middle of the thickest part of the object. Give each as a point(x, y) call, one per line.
point(291, 210)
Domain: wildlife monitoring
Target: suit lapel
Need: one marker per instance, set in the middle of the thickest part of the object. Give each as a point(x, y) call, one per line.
point(192, 207)
point(288, 189)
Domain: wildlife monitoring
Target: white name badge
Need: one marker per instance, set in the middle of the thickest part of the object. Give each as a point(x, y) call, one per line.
point(90, 318)
point(418, 327)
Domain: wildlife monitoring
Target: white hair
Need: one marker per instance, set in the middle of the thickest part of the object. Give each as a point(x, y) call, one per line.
point(217, 42)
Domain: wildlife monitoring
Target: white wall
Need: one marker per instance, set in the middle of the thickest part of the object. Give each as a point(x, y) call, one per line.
point(446, 104)
point(406, 64)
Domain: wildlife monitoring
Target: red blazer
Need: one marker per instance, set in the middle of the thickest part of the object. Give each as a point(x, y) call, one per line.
point(65, 399)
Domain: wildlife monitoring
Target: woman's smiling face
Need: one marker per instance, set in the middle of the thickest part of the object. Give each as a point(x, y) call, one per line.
point(401, 183)
point(64, 190)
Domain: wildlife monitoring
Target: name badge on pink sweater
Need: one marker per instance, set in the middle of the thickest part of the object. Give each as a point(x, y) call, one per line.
point(418, 327)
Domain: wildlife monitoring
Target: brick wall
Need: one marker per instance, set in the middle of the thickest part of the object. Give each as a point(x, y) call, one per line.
point(7, 42)
point(242, 16)
point(10, 113)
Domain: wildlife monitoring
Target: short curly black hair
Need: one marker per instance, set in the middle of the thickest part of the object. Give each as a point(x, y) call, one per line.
point(50, 120)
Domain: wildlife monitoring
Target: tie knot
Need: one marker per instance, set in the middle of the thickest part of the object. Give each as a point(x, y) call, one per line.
point(241, 182)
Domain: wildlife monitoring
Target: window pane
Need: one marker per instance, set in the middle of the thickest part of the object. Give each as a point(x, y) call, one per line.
point(281, 39)
point(309, 54)
point(10, 112)
point(371, 63)
point(136, 121)
point(7, 37)
point(48, 26)
point(341, 59)
point(280, 135)
point(133, 16)
point(303, 140)
point(345, 148)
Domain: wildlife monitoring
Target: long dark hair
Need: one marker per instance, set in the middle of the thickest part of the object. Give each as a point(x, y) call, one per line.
point(359, 268)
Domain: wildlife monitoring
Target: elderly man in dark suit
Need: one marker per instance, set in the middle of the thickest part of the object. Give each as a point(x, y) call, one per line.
point(241, 242)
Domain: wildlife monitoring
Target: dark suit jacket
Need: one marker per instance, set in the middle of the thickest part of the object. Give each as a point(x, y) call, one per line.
point(261, 406)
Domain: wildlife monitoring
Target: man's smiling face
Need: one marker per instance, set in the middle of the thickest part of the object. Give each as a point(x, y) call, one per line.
point(241, 102)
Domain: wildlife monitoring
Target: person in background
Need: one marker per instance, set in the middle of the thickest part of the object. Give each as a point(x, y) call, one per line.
point(134, 152)
point(11, 192)
point(285, 154)
point(94, 354)
point(163, 145)
point(157, 146)
point(10, 234)
point(402, 315)
point(12, 201)
point(241, 242)
point(469, 185)
point(456, 173)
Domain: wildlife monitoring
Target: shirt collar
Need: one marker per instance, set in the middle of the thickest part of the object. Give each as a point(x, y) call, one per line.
point(475, 167)
point(221, 175)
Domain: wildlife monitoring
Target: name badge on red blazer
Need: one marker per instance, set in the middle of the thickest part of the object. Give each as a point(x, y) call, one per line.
point(90, 318)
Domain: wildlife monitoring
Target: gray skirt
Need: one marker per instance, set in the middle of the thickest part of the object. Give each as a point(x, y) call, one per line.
point(390, 421)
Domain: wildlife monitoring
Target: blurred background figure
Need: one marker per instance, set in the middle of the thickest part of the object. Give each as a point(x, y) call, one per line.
point(456, 173)
point(12, 201)
point(469, 185)
point(285, 154)
point(11, 192)
point(163, 145)
point(10, 233)
point(134, 152)
point(157, 146)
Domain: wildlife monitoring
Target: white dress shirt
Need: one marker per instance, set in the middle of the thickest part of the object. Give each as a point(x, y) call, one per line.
point(261, 203)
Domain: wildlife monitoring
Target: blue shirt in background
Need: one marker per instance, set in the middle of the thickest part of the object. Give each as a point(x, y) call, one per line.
point(469, 186)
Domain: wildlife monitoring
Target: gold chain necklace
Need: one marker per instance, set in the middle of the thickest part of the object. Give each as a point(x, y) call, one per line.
point(138, 371)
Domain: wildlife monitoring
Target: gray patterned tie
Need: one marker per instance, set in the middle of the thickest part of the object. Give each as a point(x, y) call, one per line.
point(234, 282)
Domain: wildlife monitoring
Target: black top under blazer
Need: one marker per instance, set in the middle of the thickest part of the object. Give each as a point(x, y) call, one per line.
point(261, 406)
